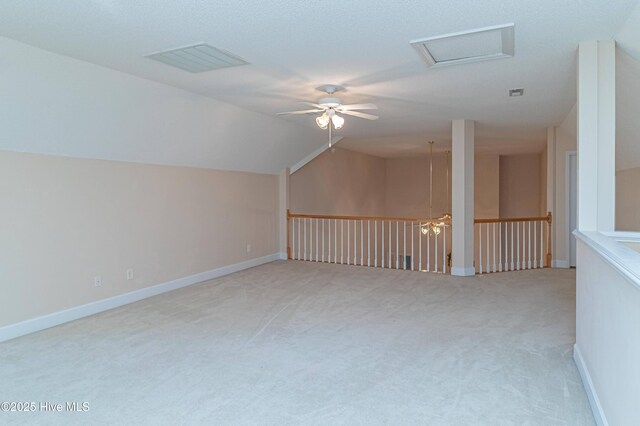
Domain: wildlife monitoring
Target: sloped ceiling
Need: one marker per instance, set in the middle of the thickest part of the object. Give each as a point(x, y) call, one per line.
point(294, 46)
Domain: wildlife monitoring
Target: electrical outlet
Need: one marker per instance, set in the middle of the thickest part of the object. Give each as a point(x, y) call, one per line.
point(248, 248)
point(97, 281)
point(129, 274)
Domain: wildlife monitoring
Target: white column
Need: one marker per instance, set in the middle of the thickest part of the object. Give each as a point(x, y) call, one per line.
point(283, 206)
point(462, 186)
point(596, 136)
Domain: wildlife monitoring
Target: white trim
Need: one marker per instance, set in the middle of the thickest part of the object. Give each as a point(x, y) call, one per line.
point(12, 331)
point(596, 407)
point(314, 154)
point(622, 258)
point(559, 263)
point(283, 256)
point(462, 271)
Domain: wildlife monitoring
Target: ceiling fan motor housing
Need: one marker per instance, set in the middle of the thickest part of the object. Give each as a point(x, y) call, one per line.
point(330, 102)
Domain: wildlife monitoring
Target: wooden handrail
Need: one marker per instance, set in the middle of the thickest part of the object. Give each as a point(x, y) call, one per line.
point(546, 218)
point(383, 218)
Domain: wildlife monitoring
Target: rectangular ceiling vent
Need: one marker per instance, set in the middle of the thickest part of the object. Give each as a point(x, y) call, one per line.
point(467, 46)
point(197, 58)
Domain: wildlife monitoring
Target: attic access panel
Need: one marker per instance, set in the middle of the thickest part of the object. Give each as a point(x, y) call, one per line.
point(467, 46)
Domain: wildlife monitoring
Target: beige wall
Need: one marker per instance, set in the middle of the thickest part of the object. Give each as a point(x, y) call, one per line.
point(407, 186)
point(64, 221)
point(342, 182)
point(487, 186)
point(520, 185)
point(351, 183)
point(628, 199)
point(627, 142)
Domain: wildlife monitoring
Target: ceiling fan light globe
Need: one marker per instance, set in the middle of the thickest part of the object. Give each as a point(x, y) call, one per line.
point(337, 121)
point(323, 121)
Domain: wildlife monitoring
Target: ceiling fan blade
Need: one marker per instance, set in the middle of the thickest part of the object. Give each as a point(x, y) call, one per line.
point(356, 106)
point(360, 115)
point(313, 105)
point(308, 111)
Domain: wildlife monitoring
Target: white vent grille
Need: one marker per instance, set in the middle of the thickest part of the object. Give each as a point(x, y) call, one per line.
point(468, 46)
point(197, 58)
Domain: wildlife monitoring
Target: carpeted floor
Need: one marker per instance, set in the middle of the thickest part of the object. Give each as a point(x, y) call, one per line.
point(301, 343)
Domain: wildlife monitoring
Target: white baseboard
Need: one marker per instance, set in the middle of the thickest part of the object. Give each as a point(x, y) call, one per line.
point(46, 321)
point(283, 256)
point(559, 263)
point(463, 272)
point(596, 408)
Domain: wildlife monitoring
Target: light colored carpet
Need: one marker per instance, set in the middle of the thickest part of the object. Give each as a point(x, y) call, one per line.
point(303, 343)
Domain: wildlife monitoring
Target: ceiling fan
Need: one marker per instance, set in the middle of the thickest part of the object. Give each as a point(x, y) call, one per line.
point(330, 107)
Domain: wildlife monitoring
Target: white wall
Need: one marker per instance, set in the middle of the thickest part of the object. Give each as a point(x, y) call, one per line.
point(64, 221)
point(608, 337)
point(53, 104)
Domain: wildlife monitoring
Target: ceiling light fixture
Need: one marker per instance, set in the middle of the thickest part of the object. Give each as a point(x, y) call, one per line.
point(432, 225)
point(323, 121)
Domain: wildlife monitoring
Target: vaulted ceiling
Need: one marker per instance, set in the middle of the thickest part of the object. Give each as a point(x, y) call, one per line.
point(294, 46)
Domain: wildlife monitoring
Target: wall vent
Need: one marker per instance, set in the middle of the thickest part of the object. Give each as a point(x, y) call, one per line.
point(467, 46)
point(197, 58)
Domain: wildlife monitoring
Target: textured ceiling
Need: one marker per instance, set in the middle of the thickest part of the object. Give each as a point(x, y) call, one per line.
point(295, 46)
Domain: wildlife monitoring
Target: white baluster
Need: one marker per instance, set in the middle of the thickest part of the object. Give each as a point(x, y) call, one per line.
point(390, 246)
point(348, 241)
point(518, 242)
point(512, 259)
point(293, 238)
point(500, 268)
point(412, 259)
point(397, 245)
point(361, 243)
point(322, 240)
point(329, 243)
point(375, 238)
point(480, 246)
point(494, 247)
point(355, 242)
point(368, 243)
point(341, 241)
point(541, 263)
point(428, 235)
point(420, 248)
point(310, 258)
point(535, 247)
point(382, 234)
point(444, 249)
point(404, 242)
point(305, 238)
point(299, 238)
point(488, 255)
point(335, 241)
point(435, 251)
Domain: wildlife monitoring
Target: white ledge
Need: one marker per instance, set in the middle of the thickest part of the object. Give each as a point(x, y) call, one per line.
point(618, 255)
